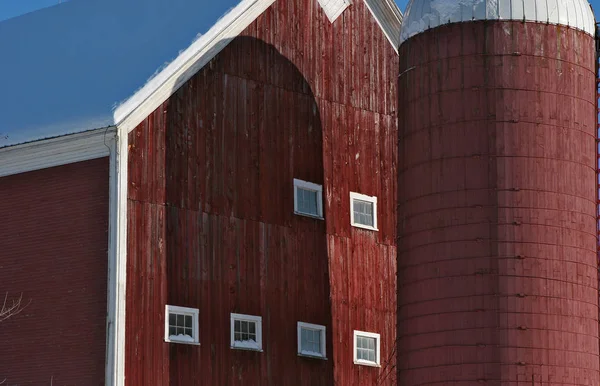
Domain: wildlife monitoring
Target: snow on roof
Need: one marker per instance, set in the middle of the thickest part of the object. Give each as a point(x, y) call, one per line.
point(66, 68)
point(422, 15)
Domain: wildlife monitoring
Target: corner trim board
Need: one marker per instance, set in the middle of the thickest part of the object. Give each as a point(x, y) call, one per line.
point(115, 363)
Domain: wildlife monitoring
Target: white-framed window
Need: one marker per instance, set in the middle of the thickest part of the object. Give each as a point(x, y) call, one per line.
point(363, 211)
point(366, 348)
point(181, 325)
point(246, 332)
point(311, 340)
point(308, 199)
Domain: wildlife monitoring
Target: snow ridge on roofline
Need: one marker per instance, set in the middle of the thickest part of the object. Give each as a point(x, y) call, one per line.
point(180, 70)
point(422, 15)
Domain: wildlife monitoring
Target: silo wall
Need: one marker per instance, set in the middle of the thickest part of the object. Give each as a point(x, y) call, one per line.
point(497, 266)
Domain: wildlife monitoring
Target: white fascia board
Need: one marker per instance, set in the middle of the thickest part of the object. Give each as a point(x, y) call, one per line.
point(389, 17)
point(56, 151)
point(188, 63)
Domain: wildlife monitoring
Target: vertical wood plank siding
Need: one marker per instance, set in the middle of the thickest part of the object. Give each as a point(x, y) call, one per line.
point(211, 220)
point(53, 251)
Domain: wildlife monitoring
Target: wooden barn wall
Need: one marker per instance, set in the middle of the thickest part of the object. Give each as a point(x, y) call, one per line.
point(211, 221)
point(53, 252)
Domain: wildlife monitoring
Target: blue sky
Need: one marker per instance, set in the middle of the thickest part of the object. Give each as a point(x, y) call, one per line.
point(12, 8)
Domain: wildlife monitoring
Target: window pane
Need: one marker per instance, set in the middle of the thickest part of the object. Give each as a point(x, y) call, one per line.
point(188, 331)
point(371, 343)
point(360, 354)
point(172, 331)
point(237, 336)
point(237, 326)
point(244, 326)
point(252, 328)
point(180, 320)
point(172, 319)
point(363, 212)
point(188, 321)
point(310, 340)
point(317, 341)
point(307, 201)
point(305, 339)
point(372, 356)
point(180, 331)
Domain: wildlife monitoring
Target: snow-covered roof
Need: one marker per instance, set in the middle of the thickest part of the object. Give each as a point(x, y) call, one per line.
point(422, 15)
point(66, 68)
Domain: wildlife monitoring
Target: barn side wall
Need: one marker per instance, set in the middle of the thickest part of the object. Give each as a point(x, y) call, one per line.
point(497, 206)
point(53, 252)
point(211, 221)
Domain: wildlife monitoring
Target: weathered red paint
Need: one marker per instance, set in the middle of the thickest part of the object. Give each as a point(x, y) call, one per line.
point(53, 251)
point(497, 249)
point(211, 221)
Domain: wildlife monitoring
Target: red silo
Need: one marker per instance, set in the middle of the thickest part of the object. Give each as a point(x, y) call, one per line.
point(497, 265)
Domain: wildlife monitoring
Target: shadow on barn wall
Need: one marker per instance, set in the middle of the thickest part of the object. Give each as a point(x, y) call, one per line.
point(235, 136)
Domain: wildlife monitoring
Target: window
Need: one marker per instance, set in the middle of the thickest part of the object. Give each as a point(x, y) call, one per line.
point(363, 211)
point(308, 199)
point(311, 340)
point(366, 348)
point(181, 325)
point(246, 332)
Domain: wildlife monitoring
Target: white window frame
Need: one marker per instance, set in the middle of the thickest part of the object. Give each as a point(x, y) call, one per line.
point(193, 312)
point(248, 318)
point(318, 327)
point(362, 197)
point(363, 362)
point(305, 185)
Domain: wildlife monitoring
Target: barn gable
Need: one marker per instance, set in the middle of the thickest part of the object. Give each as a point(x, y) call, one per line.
point(211, 216)
point(189, 62)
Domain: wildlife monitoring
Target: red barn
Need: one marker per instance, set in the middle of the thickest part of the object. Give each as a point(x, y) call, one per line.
point(232, 222)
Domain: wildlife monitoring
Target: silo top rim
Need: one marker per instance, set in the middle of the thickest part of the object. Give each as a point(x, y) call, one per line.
point(422, 15)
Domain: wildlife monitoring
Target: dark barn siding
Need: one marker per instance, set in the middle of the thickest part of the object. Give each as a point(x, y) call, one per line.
point(497, 253)
point(53, 250)
point(211, 221)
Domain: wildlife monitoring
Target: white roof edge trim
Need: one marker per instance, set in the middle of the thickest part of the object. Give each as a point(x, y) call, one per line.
point(389, 17)
point(135, 109)
point(334, 8)
point(422, 15)
point(57, 151)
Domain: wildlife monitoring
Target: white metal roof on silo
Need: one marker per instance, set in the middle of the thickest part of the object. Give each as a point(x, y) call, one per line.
point(422, 15)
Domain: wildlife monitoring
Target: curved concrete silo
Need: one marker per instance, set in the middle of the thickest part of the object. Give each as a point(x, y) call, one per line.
point(497, 266)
